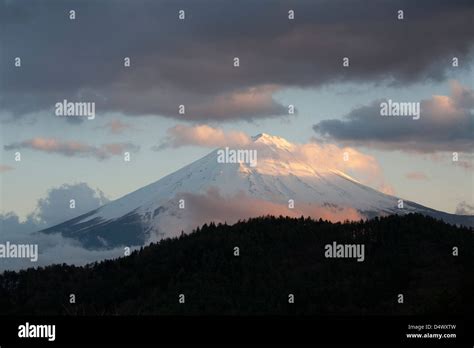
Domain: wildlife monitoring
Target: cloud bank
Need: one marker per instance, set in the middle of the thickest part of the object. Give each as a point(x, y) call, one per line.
point(191, 61)
point(212, 206)
point(50, 210)
point(445, 125)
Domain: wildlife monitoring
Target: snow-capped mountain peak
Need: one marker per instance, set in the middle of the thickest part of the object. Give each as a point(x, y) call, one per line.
point(271, 140)
point(284, 182)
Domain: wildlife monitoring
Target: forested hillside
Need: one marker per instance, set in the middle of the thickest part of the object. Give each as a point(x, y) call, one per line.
point(410, 255)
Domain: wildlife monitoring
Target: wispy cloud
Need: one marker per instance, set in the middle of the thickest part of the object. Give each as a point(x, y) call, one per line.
point(117, 126)
point(465, 208)
point(5, 168)
point(416, 176)
point(73, 148)
point(202, 135)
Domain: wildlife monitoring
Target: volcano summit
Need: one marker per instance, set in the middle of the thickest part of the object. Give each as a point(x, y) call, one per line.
point(282, 183)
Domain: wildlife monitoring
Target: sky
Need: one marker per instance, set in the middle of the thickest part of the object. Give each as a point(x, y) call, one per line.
point(190, 62)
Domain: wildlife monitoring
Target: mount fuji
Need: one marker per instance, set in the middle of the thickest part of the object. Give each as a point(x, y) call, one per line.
point(206, 190)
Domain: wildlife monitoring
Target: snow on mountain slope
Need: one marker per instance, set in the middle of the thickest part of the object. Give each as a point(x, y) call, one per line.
point(231, 191)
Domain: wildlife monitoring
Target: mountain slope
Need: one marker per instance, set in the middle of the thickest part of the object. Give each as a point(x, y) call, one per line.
point(208, 190)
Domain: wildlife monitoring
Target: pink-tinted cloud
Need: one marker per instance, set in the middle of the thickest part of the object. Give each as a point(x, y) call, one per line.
point(212, 206)
point(253, 102)
point(117, 126)
point(73, 148)
point(345, 159)
point(115, 149)
point(5, 168)
point(203, 135)
point(467, 165)
point(416, 176)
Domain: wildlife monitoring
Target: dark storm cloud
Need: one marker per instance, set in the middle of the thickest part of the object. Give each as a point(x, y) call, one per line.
point(190, 62)
point(445, 124)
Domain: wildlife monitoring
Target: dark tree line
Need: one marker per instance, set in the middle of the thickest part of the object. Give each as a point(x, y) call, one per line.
point(410, 255)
